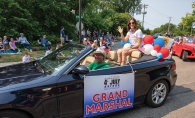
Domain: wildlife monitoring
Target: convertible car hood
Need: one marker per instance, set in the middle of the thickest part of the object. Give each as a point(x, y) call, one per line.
point(18, 73)
point(190, 44)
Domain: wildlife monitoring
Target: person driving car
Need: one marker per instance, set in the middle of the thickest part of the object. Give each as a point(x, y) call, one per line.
point(180, 40)
point(99, 62)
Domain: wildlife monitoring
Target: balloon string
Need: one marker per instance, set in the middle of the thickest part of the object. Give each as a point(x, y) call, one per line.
point(131, 66)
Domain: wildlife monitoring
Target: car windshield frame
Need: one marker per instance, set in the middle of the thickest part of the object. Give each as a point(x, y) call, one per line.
point(189, 40)
point(53, 63)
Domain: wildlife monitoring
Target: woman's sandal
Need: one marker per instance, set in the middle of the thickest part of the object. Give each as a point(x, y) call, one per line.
point(118, 63)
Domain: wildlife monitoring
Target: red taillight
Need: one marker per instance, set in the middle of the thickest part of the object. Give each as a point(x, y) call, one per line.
point(174, 66)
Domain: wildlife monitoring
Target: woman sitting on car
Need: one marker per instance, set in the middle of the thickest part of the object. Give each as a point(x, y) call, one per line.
point(134, 35)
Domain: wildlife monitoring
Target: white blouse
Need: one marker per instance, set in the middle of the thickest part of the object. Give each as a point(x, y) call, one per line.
point(134, 36)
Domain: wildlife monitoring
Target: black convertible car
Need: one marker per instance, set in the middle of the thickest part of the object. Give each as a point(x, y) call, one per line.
point(54, 86)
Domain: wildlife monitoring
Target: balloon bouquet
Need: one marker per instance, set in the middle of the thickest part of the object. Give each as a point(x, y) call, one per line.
point(155, 47)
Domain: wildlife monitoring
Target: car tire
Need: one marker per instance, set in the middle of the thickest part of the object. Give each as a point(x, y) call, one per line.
point(13, 114)
point(184, 55)
point(157, 95)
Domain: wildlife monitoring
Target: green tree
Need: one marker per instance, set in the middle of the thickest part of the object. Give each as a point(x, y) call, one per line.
point(187, 22)
point(14, 19)
point(120, 19)
point(164, 29)
point(147, 31)
point(120, 6)
point(35, 18)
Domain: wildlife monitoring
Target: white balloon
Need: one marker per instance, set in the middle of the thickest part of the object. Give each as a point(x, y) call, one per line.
point(154, 52)
point(148, 48)
point(127, 45)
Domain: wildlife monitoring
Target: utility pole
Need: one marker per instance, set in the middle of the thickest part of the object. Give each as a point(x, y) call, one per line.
point(193, 23)
point(80, 40)
point(169, 24)
point(144, 12)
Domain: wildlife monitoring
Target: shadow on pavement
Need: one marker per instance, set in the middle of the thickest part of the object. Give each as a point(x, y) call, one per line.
point(188, 60)
point(178, 98)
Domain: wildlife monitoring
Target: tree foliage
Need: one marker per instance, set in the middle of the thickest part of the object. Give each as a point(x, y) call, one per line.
point(38, 17)
point(181, 29)
point(120, 6)
point(164, 29)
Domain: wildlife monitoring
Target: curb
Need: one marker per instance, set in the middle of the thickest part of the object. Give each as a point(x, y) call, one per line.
point(9, 63)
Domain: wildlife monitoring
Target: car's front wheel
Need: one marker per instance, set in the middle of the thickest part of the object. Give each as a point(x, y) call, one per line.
point(157, 94)
point(13, 114)
point(184, 55)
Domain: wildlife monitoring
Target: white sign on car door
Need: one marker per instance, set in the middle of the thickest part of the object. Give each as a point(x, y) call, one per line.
point(108, 93)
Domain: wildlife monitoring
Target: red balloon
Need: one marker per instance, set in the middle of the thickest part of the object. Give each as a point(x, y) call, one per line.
point(165, 52)
point(148, 39)
point(157, 47)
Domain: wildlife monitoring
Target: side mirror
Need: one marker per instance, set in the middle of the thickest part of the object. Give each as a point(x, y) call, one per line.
point(80, 70)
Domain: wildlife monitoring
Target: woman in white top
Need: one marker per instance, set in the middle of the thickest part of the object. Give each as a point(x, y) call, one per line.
point(134, 35)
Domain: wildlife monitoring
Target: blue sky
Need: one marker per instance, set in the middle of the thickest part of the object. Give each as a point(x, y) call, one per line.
point(158, 12)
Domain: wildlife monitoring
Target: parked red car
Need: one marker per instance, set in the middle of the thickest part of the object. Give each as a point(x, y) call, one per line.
point(185, 50)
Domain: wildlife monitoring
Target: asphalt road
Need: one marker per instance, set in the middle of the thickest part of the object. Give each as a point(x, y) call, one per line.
point(180, 102)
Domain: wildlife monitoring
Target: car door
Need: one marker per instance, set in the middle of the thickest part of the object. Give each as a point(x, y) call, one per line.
point(141, 80)
point(174, 47)
point(70, 92)
point(178, 49)
point(70, 89)
point(70, 95)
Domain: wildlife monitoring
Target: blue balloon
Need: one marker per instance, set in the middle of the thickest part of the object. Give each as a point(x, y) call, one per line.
point(159, 41)
point(159, 55)
point(123, 43)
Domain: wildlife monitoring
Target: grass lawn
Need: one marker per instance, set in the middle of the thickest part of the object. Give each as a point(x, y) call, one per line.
point(18, 57)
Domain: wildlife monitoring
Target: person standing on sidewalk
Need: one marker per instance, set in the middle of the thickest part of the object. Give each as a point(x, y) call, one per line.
point(62, 35)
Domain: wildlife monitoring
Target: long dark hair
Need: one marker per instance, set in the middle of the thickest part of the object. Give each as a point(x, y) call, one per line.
point(136, 26)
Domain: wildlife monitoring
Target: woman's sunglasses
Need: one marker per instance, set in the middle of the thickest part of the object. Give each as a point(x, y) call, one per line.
point(131, 23)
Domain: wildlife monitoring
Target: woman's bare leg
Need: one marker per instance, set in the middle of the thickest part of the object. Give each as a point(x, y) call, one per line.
point(125, 54)
point(119, 54)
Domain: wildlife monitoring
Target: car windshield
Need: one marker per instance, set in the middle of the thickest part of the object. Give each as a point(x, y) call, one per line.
point(189, 39)
point(157, 34)
point(58, 59)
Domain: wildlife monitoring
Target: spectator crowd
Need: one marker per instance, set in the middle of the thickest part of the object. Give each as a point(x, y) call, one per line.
point(98, 39)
